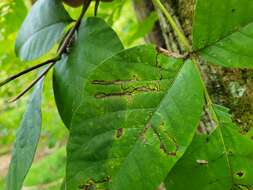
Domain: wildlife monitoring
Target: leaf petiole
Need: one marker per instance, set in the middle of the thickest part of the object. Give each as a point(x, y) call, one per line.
point(16, 76)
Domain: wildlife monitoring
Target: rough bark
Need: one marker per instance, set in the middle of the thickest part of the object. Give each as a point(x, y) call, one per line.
point(229, 87)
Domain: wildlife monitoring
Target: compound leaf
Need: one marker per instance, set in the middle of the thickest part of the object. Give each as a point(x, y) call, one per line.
point(26, 141)
point(137, 115)
point(219, 161)
point(42, 28)
point(223, 32)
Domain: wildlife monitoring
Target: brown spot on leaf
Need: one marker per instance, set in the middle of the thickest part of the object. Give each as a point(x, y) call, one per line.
point(84, 187)
point(127, 92)
point(110, 82)
point(172, 153)
point(162, 147)
point(91, 183)
point(240, 174)
point(119, 132)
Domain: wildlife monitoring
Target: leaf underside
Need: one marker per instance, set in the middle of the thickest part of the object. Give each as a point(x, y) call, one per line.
point(26, 142)
point(42, 28)
point(220, 161)
point(223, 32)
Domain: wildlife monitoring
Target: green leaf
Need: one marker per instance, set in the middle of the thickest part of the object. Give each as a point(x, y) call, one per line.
point(42, 28)
point(219, 161)
point(26, 141)
point(12, 14)
point(143, 28)
point(96, 41)
point(138, 113)
point(223, 32)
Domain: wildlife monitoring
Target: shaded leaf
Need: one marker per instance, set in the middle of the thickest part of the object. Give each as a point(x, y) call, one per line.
point(219, 161)
point(137, 115)
point(95, 42)
point(42, 28)
point(26, 141)
point(223, 32)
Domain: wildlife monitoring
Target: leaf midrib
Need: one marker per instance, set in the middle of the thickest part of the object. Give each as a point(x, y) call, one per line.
point(155, 109)
point(226, 152)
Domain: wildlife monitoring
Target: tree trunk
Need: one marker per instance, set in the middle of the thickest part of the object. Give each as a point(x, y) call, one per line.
point(229, 87)
point(143, 9)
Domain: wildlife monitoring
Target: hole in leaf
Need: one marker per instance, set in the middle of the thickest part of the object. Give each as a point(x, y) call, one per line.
point(230, 152)
point(240, 174)
point(119, 132)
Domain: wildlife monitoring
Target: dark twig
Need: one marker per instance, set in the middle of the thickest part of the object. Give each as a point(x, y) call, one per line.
point(96, 7)
point(33, 83)
point(27, 71)
point(68, 38)
point(61, 50)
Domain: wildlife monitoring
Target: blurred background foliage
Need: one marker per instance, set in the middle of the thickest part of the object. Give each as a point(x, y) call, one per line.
point(48, 169)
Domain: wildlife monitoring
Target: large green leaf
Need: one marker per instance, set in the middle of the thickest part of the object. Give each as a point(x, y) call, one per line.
point(95, 42)
point(137, 115)
point(26, 141)
point(219, 161)
point(42, 28)
point(223, 32)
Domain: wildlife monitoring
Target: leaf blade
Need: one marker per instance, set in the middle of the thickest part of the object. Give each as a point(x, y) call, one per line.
point(226, 166)
point(42, 28)
point(222, 32)
point(106, 133)
point(26, 141)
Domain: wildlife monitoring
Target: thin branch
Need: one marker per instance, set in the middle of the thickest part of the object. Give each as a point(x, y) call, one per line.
point(33, 83)
point(68, 38)
point(6, 81)
point(171, 53)
point(96, 7)
point(61, 50)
